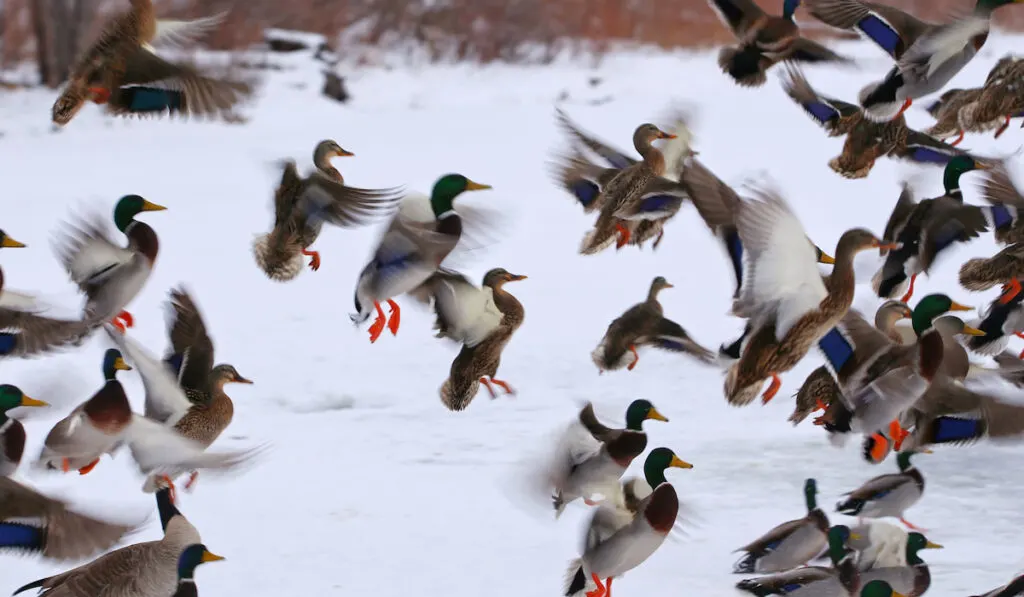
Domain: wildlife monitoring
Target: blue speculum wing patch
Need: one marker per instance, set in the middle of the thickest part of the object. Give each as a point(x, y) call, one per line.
point(837, 348)
point(821, 111)
point(1001, 216)
point(670, 344)
point(735, 249)
point(929, 156)
point(19, 535)
point(152, 99)
point(585, 191)
point(175, 361)
point(8, 342)
point(881, 33)
point(953, 429)
point(653, 203)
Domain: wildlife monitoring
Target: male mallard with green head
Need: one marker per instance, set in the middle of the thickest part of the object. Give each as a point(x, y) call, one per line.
point(820, 389)
point(595, 460)
point(12, 432)
point(865, 140)
point(121, 71)
point(923, 229)
point(927, 56)
point(109, 275)
point(410, 251)
point(631, 545)
point(303, 205)
point(887, 495)
point(789, 304)
point(193, 557)
point(840, 580)
point(644, 324)
point(764, 40)
point(790, 544)
point(912, 579)
point(482, 320)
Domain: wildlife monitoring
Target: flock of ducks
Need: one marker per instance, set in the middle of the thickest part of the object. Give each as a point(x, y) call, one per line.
point(900, 388)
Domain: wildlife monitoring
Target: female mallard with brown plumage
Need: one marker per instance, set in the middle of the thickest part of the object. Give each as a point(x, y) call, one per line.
point(790, 544)
point(1004, 268)
point(622, 196)
point(820, 388)
point(585, 187)
point(303, 205)
point(644, 324)
point(765, 40)
point(1007, 202)
point(865, 140)
point(591, 458)
point(840, 580)
point(482, 320)
point(111, 276)
point(956, 110)
point(922, 230)
point(1001, 100)
point(632, 544)
point(789, 304)
point(121, 71)
point(946, 112)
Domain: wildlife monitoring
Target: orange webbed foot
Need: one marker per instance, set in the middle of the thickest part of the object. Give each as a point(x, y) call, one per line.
point(906, 106)
point(119, 326)
point(85, 470)
point(127, 318)
point(600, 591)
point(624, 235)
point(377, 327)
point(819, 405)
point(898, 434)
point(504, 385)
point(170, 485)
point(591, 502)
point(394, 317)
point(911, 526)
point(191, 480)
point(773, 389)
point(314, 262)
point(636, 358)
point(65, 465)
point(879, 448)
point(910, 291)
point(490, 388)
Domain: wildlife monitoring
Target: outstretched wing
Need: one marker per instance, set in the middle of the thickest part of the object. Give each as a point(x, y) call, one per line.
point(899, 217)
point(88, 253)
point(328, 200)
point(175, 34)
point(166, 402)
point(583, 179)
point(598, 430)
point(923, 149)
point(614, 157)
point(659, 199)
point(465, 313)
point(738, 15)
point(890, 28)
point(191, 351)
point(835, 116)
point(671, 336)
point(810, 51)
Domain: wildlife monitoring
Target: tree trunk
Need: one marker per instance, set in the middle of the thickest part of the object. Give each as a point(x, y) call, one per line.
point(60, 26)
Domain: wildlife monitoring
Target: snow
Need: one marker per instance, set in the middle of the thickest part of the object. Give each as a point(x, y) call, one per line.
point(372, 487)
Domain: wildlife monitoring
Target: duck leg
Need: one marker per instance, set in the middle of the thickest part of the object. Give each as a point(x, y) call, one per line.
point(394, 317)
point(1006, 125)
point(65, 465)
point(490, 388)
point(906, 105)
point(314, 262)
point(191, 480)
point(819, 405)
point(636, 357)
point(898, 434)
point(600, 591)
point(910, 291)
point(1010, 291)
point(170, 485)
point(958, 139)
point(910, 526)
point(773, 389)
point(657, 239)
point(608, 587)
point(85, 470)
point(591, 502)
point(503, 385)
point(377, 327)
point(624, 235)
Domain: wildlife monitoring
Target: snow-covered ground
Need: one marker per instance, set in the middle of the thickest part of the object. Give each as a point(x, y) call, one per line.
point(372, 487)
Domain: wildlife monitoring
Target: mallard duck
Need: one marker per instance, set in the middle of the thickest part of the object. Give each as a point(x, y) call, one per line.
point(591, 462)
point(878, 588)
point(1006, 202)
point(188, 428)
point(791, 544)
point(1014, 588)
point(946, 112)
point(879, 544)
point(999, 321)
point(109, 275)
point(923, 229)
point(482, 320)
point(616, 511)
point(865, 139)
point(840, 580)
point(1005, 267)
point(12, 432)
point(912, 579)
point(583, 179)
point(927, 56)
point(958, 110)
point(887, 495)
point(193, 557)
point(147, 569)
point(303, 205)
point(820, 388)
point(789, 304)
point(410, 251)
point(622, 196)
point(765, 40)
point(631, 545)
point(121, 71)
point(1001, 100)
point(879, 378)
point(644, 324)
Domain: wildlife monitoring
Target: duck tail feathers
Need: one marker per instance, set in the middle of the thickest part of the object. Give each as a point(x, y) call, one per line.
point(457, 398)
point(850, 507)
point(32, 585)
point(745, 565)
point(576, 580)
point(973, 275)
point(279, 264)
point(744, 65)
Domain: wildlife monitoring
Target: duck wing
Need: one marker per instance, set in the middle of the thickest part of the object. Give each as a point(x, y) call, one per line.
point(924, 149)
point(835, 116)
point(328, 200)
point(660, 198)
point(597, 430)
point(160, 450)
point(173, 33)
point(738, 15)
point(780, 277)
point(583, 179)
point(88, 253)
point(890, 28)
point(901, 212)
point(166, 401)
point(191, 351)
point(465, 312)
point(671, 336)
point(940, 44)
point(617, 159)
point(950, 221)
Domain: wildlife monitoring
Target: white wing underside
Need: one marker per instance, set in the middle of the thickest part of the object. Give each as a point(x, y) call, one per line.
point(19, 301)
point(97, 259)
point(575, 446)
point(470, 311)
point(160, 450)
point(175, 34)
point(881, 401)
point(943, 44)
point(166, 402)
point(780, 275)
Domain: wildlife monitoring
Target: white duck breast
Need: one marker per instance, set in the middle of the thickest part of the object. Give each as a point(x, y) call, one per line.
point(625, 550)
point(879, 545)
point(780, 276)
point(469, 311)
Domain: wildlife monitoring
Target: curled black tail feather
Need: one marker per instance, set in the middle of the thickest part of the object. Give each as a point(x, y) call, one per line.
point(578, 582)
point(745, 565)
point(32, 585)
point(850, 507)
point(753, 585)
